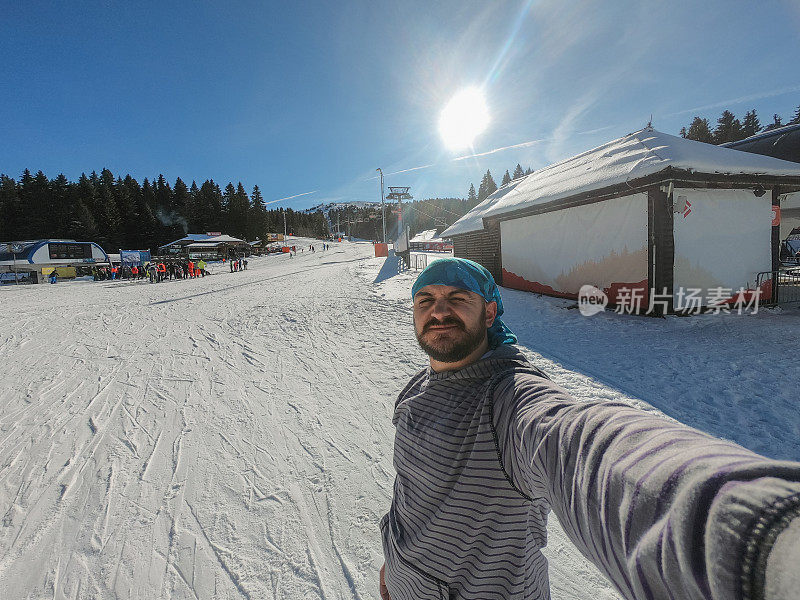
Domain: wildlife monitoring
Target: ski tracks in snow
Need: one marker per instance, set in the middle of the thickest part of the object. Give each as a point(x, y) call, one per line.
point(219, 438)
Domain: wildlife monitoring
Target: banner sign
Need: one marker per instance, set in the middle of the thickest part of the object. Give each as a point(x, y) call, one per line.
point(134, 257)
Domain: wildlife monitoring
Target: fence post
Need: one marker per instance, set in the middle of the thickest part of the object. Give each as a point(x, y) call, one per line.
point(776, 242)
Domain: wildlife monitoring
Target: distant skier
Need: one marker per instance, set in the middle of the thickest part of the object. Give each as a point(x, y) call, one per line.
point(53, 276)
point(486, 445)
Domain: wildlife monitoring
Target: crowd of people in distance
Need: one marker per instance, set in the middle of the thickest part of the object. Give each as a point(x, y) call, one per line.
point(155, 271)
point(166, 268)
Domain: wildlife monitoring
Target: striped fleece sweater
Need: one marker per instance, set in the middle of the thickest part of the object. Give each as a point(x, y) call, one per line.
point(482, 455)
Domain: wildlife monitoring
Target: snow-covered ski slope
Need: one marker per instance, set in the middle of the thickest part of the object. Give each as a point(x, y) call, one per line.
point(231, 437)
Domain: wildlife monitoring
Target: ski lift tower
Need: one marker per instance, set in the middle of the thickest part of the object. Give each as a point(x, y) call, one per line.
point(399, 194)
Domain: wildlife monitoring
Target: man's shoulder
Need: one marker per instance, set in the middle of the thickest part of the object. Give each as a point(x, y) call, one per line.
point(416, 380)
point(509, 362)
point(522, 384)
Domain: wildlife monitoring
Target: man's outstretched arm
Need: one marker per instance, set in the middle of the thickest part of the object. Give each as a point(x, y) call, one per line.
point(664, 510)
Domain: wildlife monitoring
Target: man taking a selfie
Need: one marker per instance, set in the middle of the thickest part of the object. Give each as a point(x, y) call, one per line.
point(486, 445)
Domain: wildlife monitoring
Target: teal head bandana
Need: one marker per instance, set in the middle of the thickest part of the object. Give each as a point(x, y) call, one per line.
point(468, 275)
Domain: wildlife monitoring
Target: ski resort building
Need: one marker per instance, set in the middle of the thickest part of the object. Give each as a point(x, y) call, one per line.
point(208, 246)
point(429, 241)
point(645, 212)
point(783, 143)
point(28, 259)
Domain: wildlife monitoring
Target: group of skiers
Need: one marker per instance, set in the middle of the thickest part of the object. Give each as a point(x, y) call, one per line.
point(163, 270)
point(155, 271)
point(311, 248)
point(238, 264)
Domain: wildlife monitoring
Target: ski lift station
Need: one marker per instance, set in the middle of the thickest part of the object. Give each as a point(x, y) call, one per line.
point(648, 211)
point(208, 246)
point(31, 260)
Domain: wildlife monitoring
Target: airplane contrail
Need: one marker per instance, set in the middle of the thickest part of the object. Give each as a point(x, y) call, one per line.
point(522, 145)
point(290, 197)
point(411, 169)
point(374, 177)
point(739, 100)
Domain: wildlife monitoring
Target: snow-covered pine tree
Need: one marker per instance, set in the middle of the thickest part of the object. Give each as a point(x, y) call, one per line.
point(518, 172)
point(506, 178)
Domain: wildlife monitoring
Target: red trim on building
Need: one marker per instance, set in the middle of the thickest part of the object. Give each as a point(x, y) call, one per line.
point(516, 282)
point(746, 296)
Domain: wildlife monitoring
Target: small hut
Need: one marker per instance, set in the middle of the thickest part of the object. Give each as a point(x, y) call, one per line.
point(649, 212)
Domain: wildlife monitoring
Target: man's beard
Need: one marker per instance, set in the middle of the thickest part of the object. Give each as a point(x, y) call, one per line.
point(455, 349)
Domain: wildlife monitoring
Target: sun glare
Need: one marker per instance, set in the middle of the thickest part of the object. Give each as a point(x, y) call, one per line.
point(463, 119)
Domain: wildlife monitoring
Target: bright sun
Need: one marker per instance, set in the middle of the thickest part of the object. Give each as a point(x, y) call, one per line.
point(463, 119)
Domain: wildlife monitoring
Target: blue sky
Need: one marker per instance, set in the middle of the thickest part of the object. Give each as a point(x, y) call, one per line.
point(306, 99)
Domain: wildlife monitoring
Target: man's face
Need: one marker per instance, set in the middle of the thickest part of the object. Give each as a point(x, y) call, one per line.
point(451, 323)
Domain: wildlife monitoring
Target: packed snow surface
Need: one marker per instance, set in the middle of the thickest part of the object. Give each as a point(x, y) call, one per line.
point(631, 157)
point(231, 437)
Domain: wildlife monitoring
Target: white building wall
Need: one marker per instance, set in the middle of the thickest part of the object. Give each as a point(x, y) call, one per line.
point(722, 240)
point(602, 244)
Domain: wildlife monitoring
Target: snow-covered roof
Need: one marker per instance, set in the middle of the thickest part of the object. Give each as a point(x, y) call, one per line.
point(631, 157)
point(197, 245)
point(216, 241)
point(783, 143)
point(225, 239)
point(429, 235)
point(769, 133)
point(188, 238)
point(193, 238)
